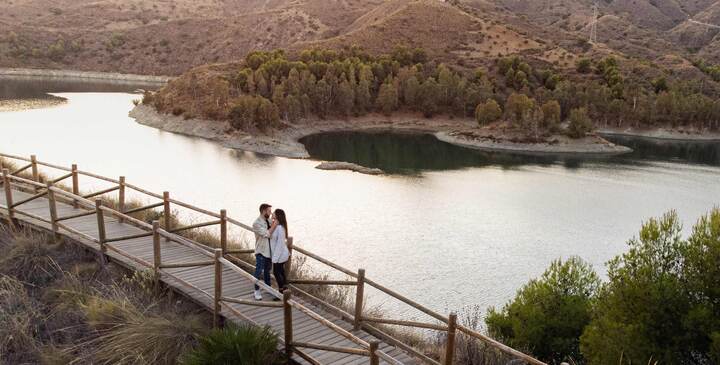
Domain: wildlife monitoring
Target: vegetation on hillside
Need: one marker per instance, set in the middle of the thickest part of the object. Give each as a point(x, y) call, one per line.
point(661, 303)
point(268, 88)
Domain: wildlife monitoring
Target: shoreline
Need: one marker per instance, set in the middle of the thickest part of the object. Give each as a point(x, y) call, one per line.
point(14, 105)
point(662, 134)
point(110, 76)
point(286, 142)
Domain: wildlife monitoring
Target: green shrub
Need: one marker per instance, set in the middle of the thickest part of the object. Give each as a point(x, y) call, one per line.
point(549, 314)
point(243, 345)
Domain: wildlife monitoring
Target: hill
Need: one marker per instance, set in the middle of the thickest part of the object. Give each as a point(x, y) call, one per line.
point(170, 38)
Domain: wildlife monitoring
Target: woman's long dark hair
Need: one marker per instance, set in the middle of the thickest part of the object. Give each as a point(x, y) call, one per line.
point(282, 220)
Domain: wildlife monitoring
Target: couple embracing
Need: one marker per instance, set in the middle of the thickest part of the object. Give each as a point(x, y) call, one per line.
point(271, 251)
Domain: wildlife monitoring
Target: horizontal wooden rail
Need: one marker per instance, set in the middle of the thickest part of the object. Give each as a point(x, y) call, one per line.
point(192, 207)
point(324, 261)
point(256, 303)
point(186, 264)
point(21, 169)
point(236, 252)
point(239, 224)
point(407, 301)
point(502, 347)
point(73, 216)
point(140, 209)
point(101, 192)
point(76, 232)
point(26, 181)
point(341, 331)
point(405, 323)
point(136, 222)
point(395, 342)
point(322, 282)
point(99, 177)
point(344, 350)
point(193, 226)
point(29, 199)
point(33, 216)
point(143, 191)
point(61, 178)
point(205, 250)
point(129, 237)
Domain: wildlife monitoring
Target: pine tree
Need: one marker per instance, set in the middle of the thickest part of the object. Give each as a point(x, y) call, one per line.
point(345, 98)
point(488, 112)
point(430, 94)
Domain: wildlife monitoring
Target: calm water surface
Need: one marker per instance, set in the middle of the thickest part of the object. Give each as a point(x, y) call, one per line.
point(449, 227)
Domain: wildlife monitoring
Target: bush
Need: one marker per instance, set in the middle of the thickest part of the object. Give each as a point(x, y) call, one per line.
point(243, 345)
point(549, 314)
point(488, 112)
point(583, 65)
point(18, 316)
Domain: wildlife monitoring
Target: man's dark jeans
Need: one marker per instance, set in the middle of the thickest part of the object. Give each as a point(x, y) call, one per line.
point(263, 265)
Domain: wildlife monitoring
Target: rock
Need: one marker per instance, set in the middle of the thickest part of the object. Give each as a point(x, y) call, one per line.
point(336, 165)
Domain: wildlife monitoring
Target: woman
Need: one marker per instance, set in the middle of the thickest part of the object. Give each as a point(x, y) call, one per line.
point(280, 252)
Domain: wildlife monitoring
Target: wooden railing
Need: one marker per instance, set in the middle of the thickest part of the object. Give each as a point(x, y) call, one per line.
point(223, 257)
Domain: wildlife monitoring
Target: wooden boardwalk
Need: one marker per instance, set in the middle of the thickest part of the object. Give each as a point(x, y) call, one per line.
point(312, 331)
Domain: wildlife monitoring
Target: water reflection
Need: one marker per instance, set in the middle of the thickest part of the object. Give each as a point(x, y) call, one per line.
point(699, 152)
point(411, 153)
point(20, 87)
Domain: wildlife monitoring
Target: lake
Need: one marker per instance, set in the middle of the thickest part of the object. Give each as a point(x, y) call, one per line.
point(449, 227)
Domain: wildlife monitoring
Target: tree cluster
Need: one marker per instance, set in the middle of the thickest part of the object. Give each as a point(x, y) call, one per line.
point(661, 303)
point(349, 83)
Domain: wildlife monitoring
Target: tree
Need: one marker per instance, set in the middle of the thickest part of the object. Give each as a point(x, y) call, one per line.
point(488, 112)
point(322, 98)
point(267, 116)
point(411, 92)
point(548, 315)
point(638, 315)
point(242, 114)
point(579, 123)
point(518, 108)
point(345, 98)
point(363, 97)
point(387, 99)
point(429, 95)
point(701, 275)
point(551, 114)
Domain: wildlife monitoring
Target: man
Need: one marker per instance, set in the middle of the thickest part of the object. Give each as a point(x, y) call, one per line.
point(263, 255)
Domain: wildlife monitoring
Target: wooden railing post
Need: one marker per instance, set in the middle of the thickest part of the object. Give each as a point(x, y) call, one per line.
point(218, 288)
point(223, 231)
point(8, 198)
point(374, 358)
point(121, 197)
point(75, 184)
point(101, 227)
point(288, 264)
point(359, 296)
point(287, 316)
point(53, 210)
point(450, 349)
point(166, 211)
point(156, 249)
point(35, 174)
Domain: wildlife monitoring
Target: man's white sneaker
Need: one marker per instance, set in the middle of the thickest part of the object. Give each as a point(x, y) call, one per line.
point(258, 295)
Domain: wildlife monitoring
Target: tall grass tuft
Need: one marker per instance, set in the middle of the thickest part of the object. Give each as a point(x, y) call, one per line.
point(18, 317)
point(241, 345)
point(28, 257)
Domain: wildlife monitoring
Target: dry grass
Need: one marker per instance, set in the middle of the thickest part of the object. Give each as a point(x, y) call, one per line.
point(18, 316)
point(29, 258)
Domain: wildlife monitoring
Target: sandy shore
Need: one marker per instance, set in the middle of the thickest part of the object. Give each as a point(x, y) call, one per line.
point(285, 143)
point(11, 105)
point(83, 75)
point(665, 134)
